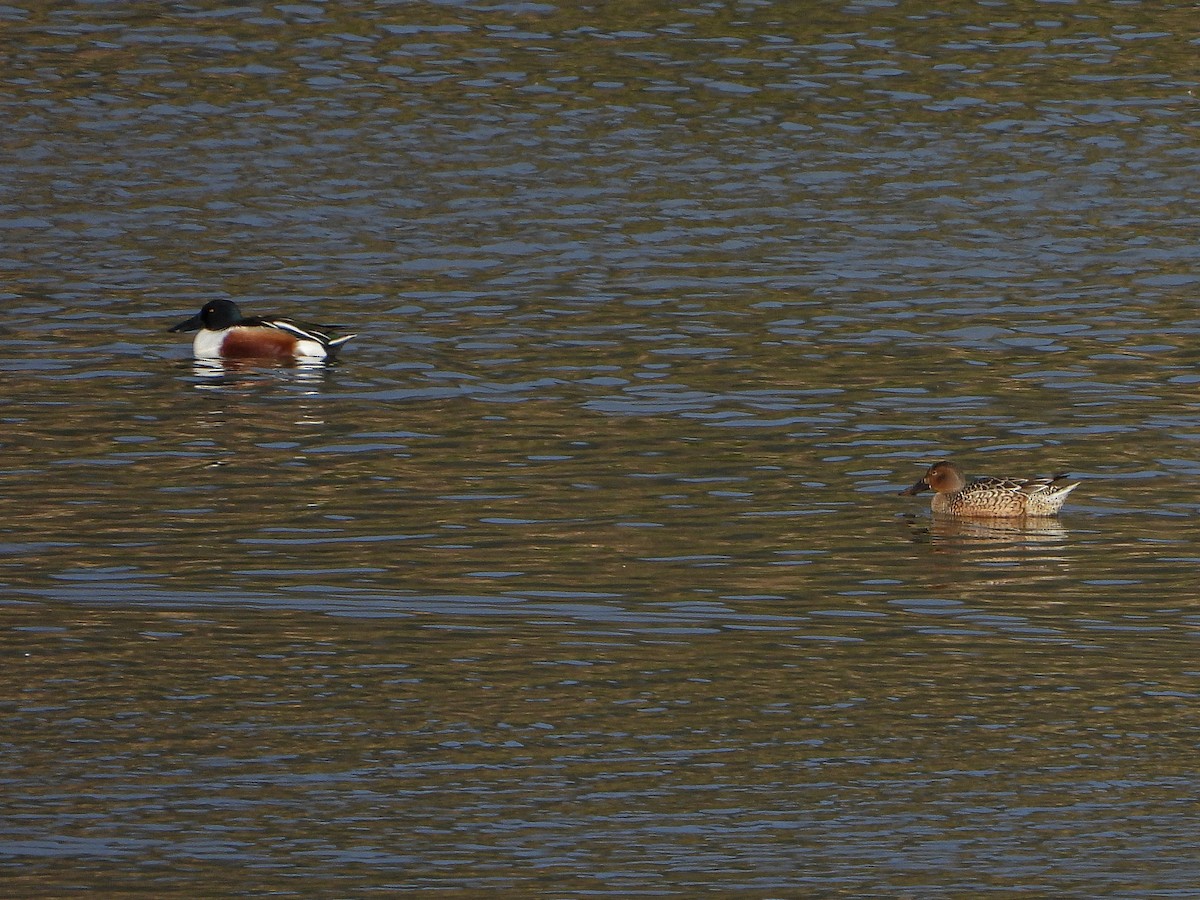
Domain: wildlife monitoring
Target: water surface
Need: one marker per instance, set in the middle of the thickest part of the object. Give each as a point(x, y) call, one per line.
point(584, 572)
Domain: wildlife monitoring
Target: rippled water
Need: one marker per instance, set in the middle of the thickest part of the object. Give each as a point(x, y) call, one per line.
point(584, 572)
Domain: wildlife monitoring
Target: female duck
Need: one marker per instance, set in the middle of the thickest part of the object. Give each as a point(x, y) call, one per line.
point(991, 498)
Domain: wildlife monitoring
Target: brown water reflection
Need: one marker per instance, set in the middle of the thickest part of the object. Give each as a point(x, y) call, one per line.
point(584, 570)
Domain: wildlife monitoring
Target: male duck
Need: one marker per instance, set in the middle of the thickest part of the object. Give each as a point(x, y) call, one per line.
point(225, 332)
point(991, 498)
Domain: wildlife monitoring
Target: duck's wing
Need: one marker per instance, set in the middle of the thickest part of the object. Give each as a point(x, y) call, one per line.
point(992, 483)
point(1021, 485)
point(1047, 485)
point(302, 330)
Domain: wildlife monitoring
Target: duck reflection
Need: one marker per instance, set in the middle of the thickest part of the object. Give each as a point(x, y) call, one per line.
point(246, 372)
point(971, 555)
point(997, 531)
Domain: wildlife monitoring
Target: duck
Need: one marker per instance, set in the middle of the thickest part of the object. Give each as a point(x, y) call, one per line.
point(225, 333)
point(989, 497)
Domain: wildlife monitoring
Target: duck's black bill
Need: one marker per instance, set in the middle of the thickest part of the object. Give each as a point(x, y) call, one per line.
point(915, 489)
point(192, 324)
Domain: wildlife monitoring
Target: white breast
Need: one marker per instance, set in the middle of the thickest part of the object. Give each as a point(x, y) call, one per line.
point(207, 343)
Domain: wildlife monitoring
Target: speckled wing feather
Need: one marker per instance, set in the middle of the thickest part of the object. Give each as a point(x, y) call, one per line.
point(1023, 485)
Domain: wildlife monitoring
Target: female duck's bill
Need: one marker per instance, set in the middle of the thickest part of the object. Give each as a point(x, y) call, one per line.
point(224, 333)
point(988, 497)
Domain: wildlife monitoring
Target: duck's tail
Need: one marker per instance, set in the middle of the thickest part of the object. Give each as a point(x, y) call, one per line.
point(335, 345)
